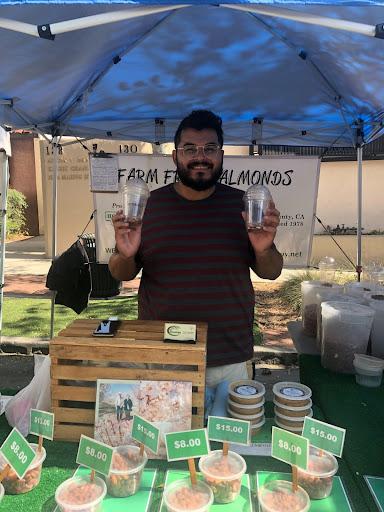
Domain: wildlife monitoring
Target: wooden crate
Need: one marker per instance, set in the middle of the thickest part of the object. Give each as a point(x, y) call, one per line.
point(77, 357)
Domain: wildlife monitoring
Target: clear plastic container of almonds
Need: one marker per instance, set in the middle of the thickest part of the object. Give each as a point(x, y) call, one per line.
point(13, 484)
point(223, 474)
point(279, 496)
point(182, 496)
point(309, 289)
point(376, 302)
point(126, 471)
point(80, 494)
point(346, 327)
point(317, 480)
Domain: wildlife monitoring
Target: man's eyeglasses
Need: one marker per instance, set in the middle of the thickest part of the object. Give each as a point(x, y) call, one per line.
point(191, 150)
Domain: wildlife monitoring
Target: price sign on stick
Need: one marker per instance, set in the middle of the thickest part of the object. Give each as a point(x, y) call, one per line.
point(324, 436)
point(17, 452)
point(189, 444)
point(94, 455)
point(290, 447)
point(144, 432)
point(228, 430)
point(42, 423)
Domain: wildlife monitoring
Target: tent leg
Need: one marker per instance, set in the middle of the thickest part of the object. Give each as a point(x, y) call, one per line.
point(359, 207)
point(4, 175)
point(54, 221)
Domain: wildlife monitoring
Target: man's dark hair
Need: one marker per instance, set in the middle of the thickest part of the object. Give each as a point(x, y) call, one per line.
point(200, 120)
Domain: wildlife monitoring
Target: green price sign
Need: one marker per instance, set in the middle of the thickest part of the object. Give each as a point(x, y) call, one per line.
point(17, 452)
point(94, 455)
point(290, 448)
point(146, 433)
point(324, 436)
point(42, 423)
point(188, 444)
point(227, 430)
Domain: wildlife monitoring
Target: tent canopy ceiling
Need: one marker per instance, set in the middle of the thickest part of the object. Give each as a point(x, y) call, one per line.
point(309, 84)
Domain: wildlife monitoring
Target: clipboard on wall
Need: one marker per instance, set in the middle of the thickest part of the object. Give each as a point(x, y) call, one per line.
point(104, 175)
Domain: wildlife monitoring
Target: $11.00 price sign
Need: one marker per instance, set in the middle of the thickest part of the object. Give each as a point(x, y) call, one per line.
point(145, 433)
point(17, 452)
point(188, 444)
point(227, 430)
point(290, 448)
point(42, 423)
point(94, 455)
point(324, 436)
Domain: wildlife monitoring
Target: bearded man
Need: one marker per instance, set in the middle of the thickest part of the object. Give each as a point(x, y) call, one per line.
point(195, 251)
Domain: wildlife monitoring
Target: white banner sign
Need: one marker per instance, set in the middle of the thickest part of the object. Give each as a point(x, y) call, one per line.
point(293, 183)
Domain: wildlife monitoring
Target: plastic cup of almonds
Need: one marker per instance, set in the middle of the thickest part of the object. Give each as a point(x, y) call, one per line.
point(15, 485)
point(317, 480)
point(182, 496)
point(278, 496)
point(80, 494)
point(223, 474)
point(126, 470)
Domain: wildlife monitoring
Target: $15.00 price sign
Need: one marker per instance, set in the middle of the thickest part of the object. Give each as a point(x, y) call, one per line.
point(42, 423)
point(227, 430)
point(324, 436)
point(94, 455)
point(145, 433)
point(290, 448)
point(17, 452)
point(188, 444)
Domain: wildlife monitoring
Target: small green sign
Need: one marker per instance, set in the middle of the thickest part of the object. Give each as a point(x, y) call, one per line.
point(17, 452)
point(290, 448)
point(42, 423)
point(144, 432)
point(94, 455)
point(188, 444)
point(228, 430)
point(324, 436)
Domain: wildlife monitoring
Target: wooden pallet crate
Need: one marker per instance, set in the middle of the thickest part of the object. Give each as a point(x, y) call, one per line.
point(78, 359)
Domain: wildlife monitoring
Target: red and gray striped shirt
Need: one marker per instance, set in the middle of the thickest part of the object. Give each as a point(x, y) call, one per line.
point(195, 257)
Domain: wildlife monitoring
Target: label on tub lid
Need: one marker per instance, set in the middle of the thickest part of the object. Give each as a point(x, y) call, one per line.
point(246, 390)
point(292, 392)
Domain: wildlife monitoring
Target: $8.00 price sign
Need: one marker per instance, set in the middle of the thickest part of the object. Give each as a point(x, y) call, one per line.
point(227, 430)
point(290, 447)
point(17, 452)
point(94, 455)
point(324, 436)
point(188, 444)
point(145, 433)
point(42, 423)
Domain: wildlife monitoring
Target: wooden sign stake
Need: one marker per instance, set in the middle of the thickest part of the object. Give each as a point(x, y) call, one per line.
point(192, 471)
point(294, 479)
point(141, 453)
point(40, 445)
point(225, 448)
point(5, 472)
point(93, 472)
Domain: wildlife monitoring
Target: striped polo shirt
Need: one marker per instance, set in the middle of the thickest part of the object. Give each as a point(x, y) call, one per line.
point(195, 257)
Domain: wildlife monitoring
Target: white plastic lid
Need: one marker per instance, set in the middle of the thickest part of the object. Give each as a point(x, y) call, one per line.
point(258, 192)
point(368, 362)
point(293, 407)
point(246, 389)
point(347, 311)
point(247, 417)
point(258, 425)
point(297, 419)
point(246, 407)
point(292, 391)
point(233, 461)
point(296, 430)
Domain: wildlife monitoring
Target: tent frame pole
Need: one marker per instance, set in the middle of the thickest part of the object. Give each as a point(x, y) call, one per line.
point(3, 220)
point(359, 151)
point(54, 220)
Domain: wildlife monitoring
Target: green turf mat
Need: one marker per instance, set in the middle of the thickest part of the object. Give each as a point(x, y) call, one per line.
point(376, 487)
point(336, 502)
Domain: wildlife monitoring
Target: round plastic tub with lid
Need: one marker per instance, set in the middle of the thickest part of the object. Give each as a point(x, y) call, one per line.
point(79, 494)
point(317, 480)
point(369, 370)
point(278, 496)
point(358, 288)
point(247, 392)
point(296, 429)
point(309, 306)
point(325, 296)
point(126, 470)
point(290, 421)
point(181, 496)
point(294, 412)
point(223, 474)
point(15, 485)
point(246, 410)
point(293, 394)
point(345, 331)
point(253, 418)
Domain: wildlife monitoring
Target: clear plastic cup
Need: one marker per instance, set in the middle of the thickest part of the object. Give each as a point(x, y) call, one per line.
point(278, 496)
point(135, 197)
point(317, 480)
point(79, 494)
point(256, 202)
point(126, 471)
point(223, 474)
point(181, 496)
point(15, 485)
point(1, 492)
point(369, 370)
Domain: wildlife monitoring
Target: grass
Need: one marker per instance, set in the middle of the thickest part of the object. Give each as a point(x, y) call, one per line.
point(31, 317)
